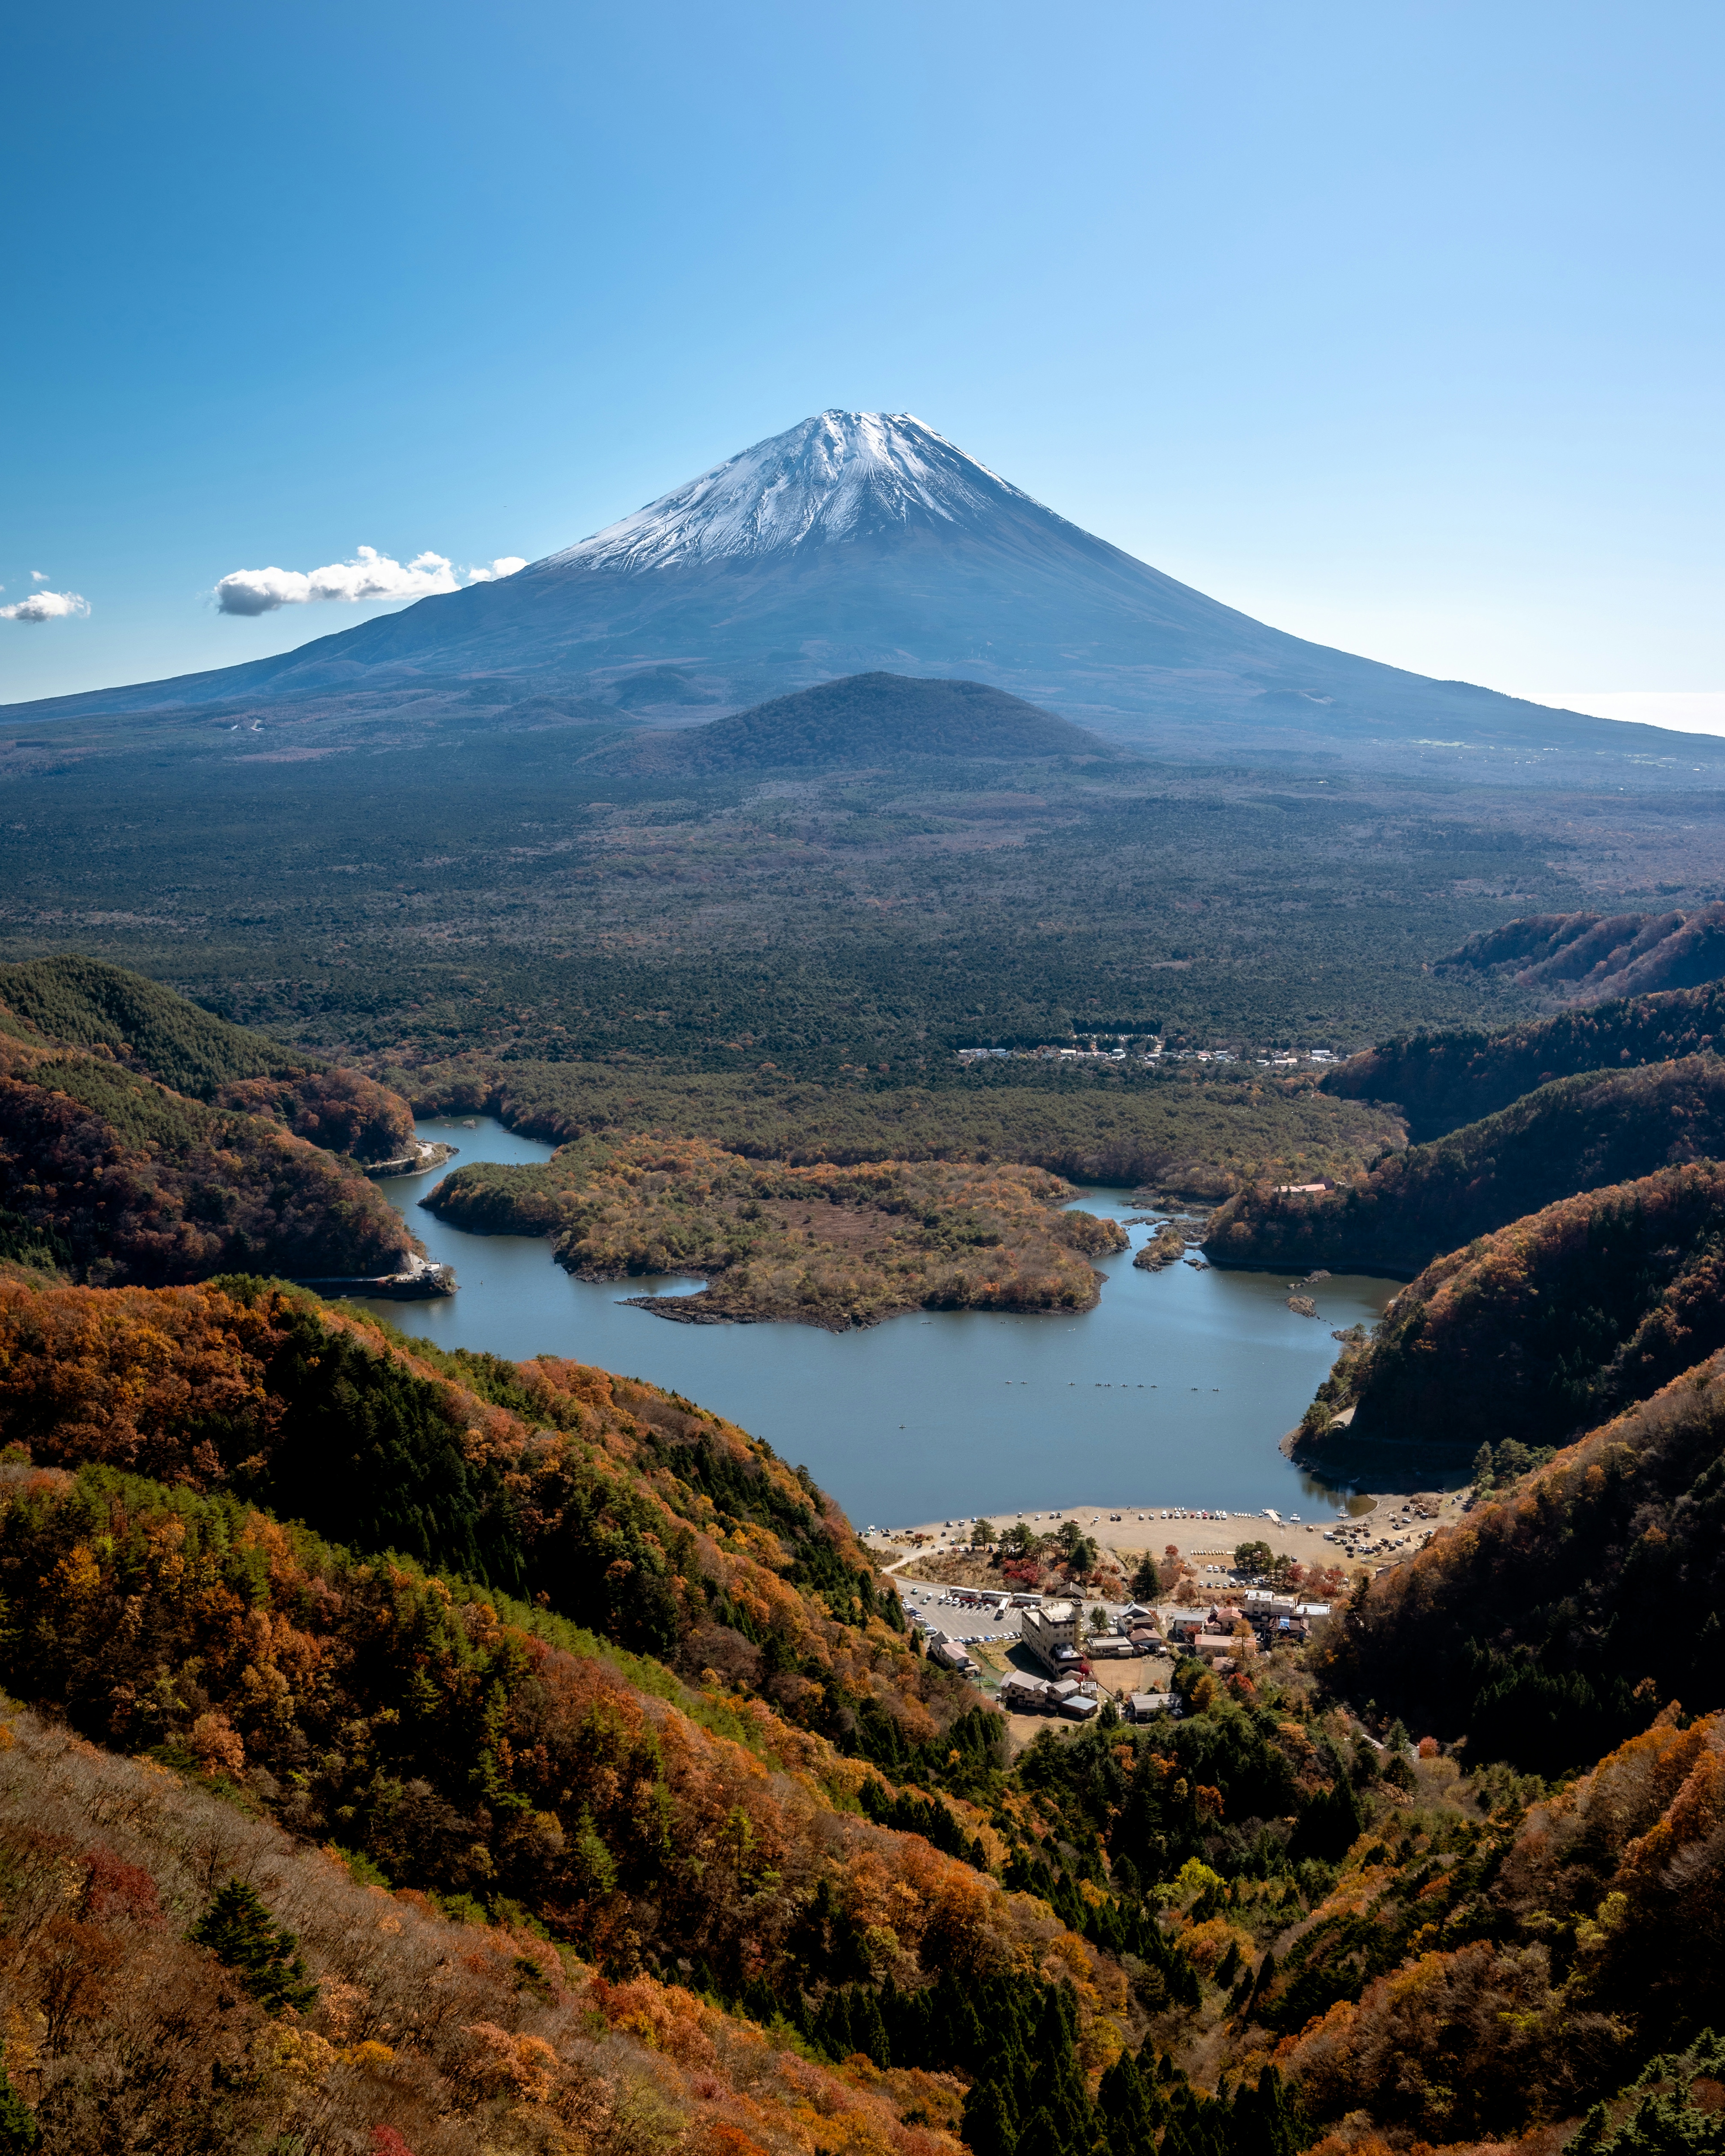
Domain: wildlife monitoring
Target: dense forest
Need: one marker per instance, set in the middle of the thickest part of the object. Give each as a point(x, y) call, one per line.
point(1573, 1135)
point(1546, 1327)
point(476, 1837)
point(515, 893)
point(1575, 1607)
point(1440, 1079)
point(831, 1247)
point(1192, 1135)
point(85, 1003)
point(110, 1177)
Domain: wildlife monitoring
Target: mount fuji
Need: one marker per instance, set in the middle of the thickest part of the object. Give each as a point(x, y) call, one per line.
point(858, 541)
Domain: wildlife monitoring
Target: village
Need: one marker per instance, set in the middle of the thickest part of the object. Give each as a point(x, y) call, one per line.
point(1083, 1616)
point(1128, 1049)
point(1055, 1657)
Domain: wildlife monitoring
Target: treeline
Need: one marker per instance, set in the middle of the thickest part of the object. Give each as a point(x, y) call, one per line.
point(1573, 1135)
point(1442, 1079)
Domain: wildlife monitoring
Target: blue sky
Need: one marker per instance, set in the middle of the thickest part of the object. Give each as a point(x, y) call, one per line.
point(1398, 326)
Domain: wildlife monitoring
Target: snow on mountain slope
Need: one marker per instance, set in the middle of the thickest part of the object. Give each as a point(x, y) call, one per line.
point(839, 475)
point(863, 542)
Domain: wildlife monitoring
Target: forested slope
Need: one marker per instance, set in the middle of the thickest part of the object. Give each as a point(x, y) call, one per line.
point(1545, 1329)
point(1442, 1079)
point(1571, 1611)
point(1573, 1135)
point(107, 1176)
point(1587, 957)
point(87, 1003)
point(146, 1142)
point(661, 1819)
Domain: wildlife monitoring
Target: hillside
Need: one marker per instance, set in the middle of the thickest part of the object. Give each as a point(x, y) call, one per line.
point(1440, 1079)
point(1568, 1614)
point(143, 1140)
point(864, 719)
point(86, 1003)
point(714, 1861)
point(89, 1003)
point(1589, 958)
point(1573, 1135)
point(429, 2034)
point(107, 1176)
point(1542, 1329)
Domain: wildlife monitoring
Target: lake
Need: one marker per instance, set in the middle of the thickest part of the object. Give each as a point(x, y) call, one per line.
point(1182, 1382)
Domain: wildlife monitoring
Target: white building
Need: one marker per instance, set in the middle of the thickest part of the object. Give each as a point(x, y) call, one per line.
point(1046, 1630)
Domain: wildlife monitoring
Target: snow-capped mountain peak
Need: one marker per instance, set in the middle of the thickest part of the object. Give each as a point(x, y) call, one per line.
point(839, 475)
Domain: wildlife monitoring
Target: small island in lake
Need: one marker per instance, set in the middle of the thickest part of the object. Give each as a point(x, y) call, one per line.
point(822, 1244)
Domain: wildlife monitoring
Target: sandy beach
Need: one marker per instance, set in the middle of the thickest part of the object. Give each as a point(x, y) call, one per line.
point(1387, 1527)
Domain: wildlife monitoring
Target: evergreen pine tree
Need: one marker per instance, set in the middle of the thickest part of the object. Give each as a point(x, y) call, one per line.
point(1261, 2124)
point(1042, 2133)
point(832, 2025)
point(868, 2030)
point(239, 1931)
point(989, 2127)
point(1125, 2108)
point(19, 2132)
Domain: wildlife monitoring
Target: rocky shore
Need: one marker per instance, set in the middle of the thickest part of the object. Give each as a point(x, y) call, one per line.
point(421, 1281)
point(426, 1155)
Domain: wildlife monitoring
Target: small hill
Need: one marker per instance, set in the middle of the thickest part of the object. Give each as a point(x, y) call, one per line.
point(867, 719)
point(144, 1141)
point(87, 1003)
point(107, 1176)
point(1443, 1078)
point(1587, 958)
point(123, 1016)
point(1574, 1134)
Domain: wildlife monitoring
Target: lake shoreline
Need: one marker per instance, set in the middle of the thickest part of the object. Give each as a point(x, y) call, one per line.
point(1131, 1532)
point(1180, 1382)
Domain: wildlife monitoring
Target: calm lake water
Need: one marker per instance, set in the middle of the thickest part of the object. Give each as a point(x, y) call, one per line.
point(1181, 1382)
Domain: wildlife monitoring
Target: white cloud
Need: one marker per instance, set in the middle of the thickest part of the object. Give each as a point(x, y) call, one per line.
point(38, 576)
point(45, 606)
point(369, 576)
